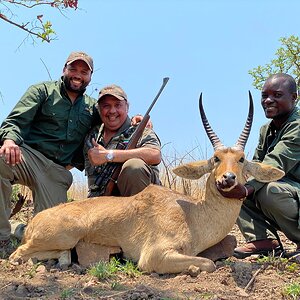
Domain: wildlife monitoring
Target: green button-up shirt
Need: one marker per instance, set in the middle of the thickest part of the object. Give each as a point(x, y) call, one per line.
point(47, 120)
point(280, 149)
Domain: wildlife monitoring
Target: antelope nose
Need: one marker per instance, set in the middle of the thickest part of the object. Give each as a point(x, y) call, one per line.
point(229, 176)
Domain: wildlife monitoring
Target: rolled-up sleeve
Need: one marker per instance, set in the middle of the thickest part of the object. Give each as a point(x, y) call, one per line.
point(284, 155)
point(19, 120)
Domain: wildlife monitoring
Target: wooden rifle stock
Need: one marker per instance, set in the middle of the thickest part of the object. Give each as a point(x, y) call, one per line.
point(133, 142)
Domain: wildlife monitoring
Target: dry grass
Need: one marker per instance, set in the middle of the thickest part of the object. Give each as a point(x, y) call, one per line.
point(79, 188)
point(195, 188)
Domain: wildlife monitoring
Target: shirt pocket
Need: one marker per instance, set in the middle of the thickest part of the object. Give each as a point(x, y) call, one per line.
point(52, 116)
point(84, 122)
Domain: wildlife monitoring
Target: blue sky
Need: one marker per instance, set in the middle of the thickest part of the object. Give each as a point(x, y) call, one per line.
point(203, 46)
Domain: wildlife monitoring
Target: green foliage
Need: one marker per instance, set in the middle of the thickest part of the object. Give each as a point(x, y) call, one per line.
point(36, 27)
point(292, 267)
point(15, 242)
point(65, 294)
point(116, 286)
point(208, 295)
point(287, 60)
point(292, 291)
point(47, 32)
point(105, 270)
point(228, 261)
point(15, 191)
point(32, 271)
point(130, 269)
point(70, 199)
point(280, 263)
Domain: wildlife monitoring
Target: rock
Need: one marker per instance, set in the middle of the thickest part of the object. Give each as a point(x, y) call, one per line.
point(65, 260)
point(41, 269)
point(77, 268)
point(154, 275)
point(193, 271)
point(10, 288)
point(21, 291)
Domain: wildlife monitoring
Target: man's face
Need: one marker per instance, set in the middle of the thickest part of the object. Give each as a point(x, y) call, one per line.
point(77, 76)
point(113, 112)
point(277, 100)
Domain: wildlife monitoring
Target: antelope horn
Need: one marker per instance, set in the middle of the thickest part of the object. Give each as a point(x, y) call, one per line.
point(241, 143)
point(210, 133)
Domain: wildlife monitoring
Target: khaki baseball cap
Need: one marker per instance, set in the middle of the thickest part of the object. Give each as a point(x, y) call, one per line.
point(80, 56)
point(113, 90)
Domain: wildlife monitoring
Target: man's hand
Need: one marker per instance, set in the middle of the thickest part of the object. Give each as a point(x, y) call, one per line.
point(97, 154)
point(11, 152)
point(138, 118)
point(240, 191)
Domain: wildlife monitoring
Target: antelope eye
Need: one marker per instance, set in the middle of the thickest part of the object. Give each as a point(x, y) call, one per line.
point(216, 159)
point(242, 159)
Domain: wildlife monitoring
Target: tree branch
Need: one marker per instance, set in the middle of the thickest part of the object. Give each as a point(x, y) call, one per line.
point(44, 31)
point(23, 27)
point(52, 3)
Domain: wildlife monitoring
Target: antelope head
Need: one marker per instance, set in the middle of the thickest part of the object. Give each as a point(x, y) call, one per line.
point(228, 166)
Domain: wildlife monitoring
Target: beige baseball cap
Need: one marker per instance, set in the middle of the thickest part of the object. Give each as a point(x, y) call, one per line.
point(81, 56)
point(113, 90)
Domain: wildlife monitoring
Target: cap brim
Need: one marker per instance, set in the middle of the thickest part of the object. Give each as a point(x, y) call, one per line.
point(112, 94)
point(71, 61)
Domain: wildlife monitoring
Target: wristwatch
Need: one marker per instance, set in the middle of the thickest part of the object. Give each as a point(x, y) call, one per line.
point(110, 156)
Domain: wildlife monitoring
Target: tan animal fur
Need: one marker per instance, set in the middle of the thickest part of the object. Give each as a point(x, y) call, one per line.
point(158, 228)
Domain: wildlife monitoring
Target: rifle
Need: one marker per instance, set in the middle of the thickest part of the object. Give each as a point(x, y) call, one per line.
point(111, 185)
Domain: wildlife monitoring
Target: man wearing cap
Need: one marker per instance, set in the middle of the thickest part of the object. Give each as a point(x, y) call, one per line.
point(109, 140)
point(40, 137)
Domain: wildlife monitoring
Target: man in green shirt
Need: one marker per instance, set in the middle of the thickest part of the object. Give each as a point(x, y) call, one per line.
point(41, 137)
point(273, 206)
point(139, 165)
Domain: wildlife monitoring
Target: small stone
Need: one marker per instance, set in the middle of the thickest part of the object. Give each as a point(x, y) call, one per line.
point(11, 288)
point(154, 275)
point(194, 271)
point(41, 269)
point(77, 268)
point(21, 291)
point(40, 290)
point(88, 290)
point(65, 260)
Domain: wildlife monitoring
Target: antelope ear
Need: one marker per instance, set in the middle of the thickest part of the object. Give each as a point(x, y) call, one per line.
point(193, 170)
point(262, 172)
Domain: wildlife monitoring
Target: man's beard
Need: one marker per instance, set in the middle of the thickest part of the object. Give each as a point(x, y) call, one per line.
point(68, 85)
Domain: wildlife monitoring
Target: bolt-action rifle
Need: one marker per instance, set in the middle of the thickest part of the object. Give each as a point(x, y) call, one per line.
point(111, 184)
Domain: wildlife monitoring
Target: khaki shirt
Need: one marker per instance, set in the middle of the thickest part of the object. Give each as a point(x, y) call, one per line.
point(47, 120)
point(280, 149)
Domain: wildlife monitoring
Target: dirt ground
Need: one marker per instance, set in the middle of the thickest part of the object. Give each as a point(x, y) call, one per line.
point(233, 279)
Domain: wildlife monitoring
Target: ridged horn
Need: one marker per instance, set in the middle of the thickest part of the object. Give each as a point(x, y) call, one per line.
point(241, 143)
point(210, 133)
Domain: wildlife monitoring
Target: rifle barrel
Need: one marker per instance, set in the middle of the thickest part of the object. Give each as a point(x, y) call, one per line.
point(165, 81)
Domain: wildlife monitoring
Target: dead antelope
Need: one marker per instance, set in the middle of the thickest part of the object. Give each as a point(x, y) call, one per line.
point(158, 228)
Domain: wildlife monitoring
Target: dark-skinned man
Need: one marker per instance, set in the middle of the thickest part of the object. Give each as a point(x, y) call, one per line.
point(274, 206)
